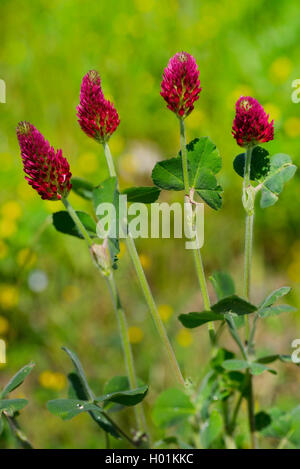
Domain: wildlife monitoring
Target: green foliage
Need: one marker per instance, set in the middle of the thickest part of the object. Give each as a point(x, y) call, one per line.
point(107, 192)
point(262, 420)
point(281, 171)
point(284, 427)
point(82, 188)
point(223, 284)
point(146, 195)
point(191, 320)
point(234, 304)
point(172, 407)
point(260, 164)
point(69, 408)
point(12, 405)
point(86, 401)
point(270, 172)
point(17, 380)
point(126, 398)
point(63, 222)
point(267, 308)
point(204, 162)
point(274, 296)
point(212, 429)
point(254, 367)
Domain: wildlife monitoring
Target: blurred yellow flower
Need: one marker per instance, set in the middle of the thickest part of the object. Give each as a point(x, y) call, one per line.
point(292, 127)
point(128, 164)
point(4, 325)
point(11, 210)
point(117, 144)
point(7, 161)
point(88, 163)
point(184, 338)
point(145, 261)
point(122, 249)
point(9, 296)
point(240, 90)
point(71, 293)
point(135, 334)
point(7, 228)
point(294, 267)
point(52, 380)
point(196, 118)
point(273, 111)
point(294, 271)
point(280, 70)
point(25, 192)
point(165, 312)
point(144, 5)
point(52, 205)
point(28, 256)
point(3, 249)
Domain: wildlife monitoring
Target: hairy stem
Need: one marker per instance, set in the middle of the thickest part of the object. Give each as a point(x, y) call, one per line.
point(145, 286)
point(248, 202)
point(119, 429)
point(77, 221)
point(153, 309)
point(18, 433)
point(196, 252)
point(123, 328)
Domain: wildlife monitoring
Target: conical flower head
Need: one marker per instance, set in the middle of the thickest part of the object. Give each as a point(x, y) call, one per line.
point(96, 116)
point(47, 170)
point(251, 125)
point(180, 87)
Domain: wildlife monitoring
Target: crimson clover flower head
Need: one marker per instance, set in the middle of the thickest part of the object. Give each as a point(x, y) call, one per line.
point(180, 86)
point(47, 171)
point(251, 125)
point(96, 116)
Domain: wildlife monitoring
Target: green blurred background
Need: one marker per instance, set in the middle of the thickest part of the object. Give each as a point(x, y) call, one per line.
point(58, 298)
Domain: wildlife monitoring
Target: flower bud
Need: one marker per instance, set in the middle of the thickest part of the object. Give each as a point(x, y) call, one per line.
point(180, 87)
point(48, 172)
point(100, 254)
point(250, 125)
point(96, 116)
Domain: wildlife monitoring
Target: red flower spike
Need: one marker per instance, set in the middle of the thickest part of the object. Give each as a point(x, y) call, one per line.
point(250, 125)
point(96, 116)
point(48, 172)
point(180, 87)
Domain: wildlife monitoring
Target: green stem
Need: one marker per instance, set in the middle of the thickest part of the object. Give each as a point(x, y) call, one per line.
point(152, 306)
point(109, 160)
point(123, 329)
point(17, 432)
point(145, 286)
point(120, 317)
point(247, 264)
point(235, 414)
point(251, 418)
point(119, 429)
point(77, 221)
point(184, 158)
point(196, 252)
point(248, 202)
